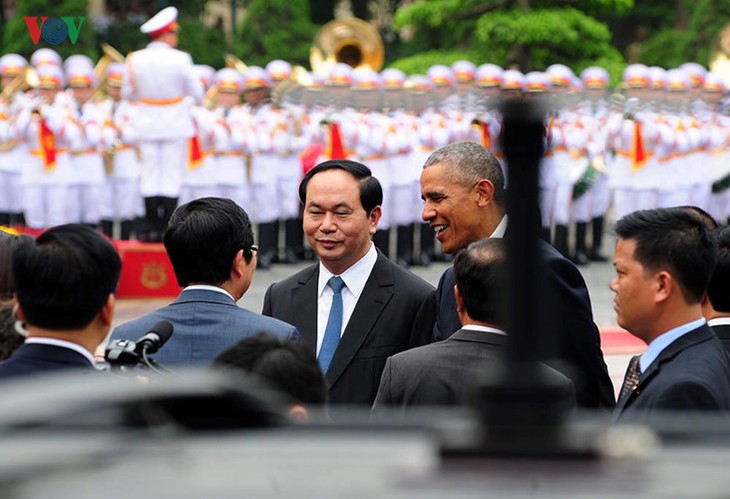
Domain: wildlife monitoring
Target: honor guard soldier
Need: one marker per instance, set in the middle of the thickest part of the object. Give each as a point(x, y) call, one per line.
point(86, 187)
point(568, 144)
point(270, 141)
point(591, 193)
point(13, 152)
point(45, 128)
point(405, 172)
point(122, 199)
point(159, 79)
point(718, 140)
point(430, 129)
point(680, 150)
point(630, 135)
point(198, 174)
point(232, 134)
point(289, 171)
point(512, 87)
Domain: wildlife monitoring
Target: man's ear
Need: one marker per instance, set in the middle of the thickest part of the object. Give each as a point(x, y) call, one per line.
point(19, 312)
point(459, 301)
point(665, 286)
point(374, 218)
point(239, 262)
point(299, 413)
point(485, 192)
point(106, 314)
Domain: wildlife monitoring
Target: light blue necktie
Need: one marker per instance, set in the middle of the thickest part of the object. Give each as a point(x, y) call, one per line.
point(334, 325)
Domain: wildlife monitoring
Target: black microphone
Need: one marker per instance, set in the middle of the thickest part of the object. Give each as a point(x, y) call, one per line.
point(127, 352)
point(154, 338)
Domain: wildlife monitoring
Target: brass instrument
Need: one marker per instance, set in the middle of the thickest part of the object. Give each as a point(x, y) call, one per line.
point(351, 41)
point(110, 55)
point(234, 62)
point(210, 97)
point(25, 80)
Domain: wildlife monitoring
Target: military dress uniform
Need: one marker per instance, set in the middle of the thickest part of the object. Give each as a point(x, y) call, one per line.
point(13, 152)
point(161, 81)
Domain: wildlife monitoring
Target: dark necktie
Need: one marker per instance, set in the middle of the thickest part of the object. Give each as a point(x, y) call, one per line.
point(631, 380)
point(334, 325)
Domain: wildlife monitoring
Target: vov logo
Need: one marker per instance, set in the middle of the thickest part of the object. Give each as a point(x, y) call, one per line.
point(54, 30)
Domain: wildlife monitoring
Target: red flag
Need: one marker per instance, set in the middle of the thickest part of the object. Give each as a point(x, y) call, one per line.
point(486, 138)
point(335, 148)
point(309, 156)
point(638, 154)
point(195, 153)
point(47, 143)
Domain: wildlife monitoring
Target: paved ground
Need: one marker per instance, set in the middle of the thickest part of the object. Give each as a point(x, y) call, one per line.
point(618, 347)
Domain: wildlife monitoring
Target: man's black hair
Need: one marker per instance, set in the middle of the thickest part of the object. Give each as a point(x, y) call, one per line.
point(371, 193)
point(64, 277)
point(289, 367)
point(204, 236)
point(481, 278)
point(719, 287)
point(676, 240)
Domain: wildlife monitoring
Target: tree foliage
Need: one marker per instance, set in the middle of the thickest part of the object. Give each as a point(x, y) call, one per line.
point(520, 33)
point(419, 63)
point(275, 29)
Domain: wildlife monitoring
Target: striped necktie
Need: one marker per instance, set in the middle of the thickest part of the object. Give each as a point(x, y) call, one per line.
point(631, 380)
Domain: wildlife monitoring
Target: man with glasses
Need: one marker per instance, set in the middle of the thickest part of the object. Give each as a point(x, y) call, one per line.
point(210, 243)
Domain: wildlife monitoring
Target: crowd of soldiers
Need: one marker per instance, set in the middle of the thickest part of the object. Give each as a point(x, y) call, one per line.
point(72, 150)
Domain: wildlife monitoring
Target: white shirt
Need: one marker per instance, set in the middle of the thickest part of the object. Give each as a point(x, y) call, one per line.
point(501, 228)
point(484, 329)
point(206, 287)
point(63, 344)
point(355, 278)
point(719, 321)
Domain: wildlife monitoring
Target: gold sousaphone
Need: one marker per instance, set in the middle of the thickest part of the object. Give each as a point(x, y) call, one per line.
point(351, 41)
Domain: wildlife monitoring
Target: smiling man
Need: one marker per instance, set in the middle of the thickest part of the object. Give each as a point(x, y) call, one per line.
point(664, 261)
point(462, 186)
point(355, 308)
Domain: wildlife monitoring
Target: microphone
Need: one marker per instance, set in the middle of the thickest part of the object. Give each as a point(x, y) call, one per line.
point(127, 352)
point(155, 338)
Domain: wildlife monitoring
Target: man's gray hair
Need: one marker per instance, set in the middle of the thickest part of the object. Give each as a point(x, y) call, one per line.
point(469, 163)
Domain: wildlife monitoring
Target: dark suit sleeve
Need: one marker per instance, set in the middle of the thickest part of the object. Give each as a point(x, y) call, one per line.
point(384, 396)
point(424, 323)
point(267, 302)
point(579, 342)
point(447, 320)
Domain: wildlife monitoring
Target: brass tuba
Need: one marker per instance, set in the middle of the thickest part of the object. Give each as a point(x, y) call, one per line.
point(110, 55)
point(351, 41)
point(25, 80)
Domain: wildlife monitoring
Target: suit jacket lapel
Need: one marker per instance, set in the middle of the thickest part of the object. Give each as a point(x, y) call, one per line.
point(304, 301)
point(702, 333)
point(375, 296)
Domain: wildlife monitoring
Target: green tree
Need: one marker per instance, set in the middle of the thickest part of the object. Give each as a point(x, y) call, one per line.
point(16, 37)
point(205, 45)
point(275, 29)
point(522, 33)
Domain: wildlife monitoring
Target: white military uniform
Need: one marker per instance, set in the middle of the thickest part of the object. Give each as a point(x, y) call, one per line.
point(159, 78)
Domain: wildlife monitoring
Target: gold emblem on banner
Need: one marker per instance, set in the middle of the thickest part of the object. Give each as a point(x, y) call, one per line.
point(153, 275)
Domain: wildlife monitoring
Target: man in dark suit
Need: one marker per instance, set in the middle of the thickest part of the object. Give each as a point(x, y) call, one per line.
point(65, 283)
point(210, 243)
point(445, 372)
point(664, 260)
point(462, 186)
point(355, 308)
point(716, 303)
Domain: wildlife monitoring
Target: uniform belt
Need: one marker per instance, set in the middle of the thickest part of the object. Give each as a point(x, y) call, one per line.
point(162, 102)
point(81, 152)
point(229, 153)
point(629, 154)
point(373, 157)
point(38, 152)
